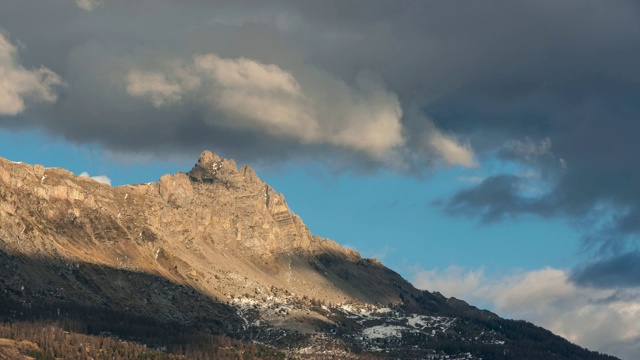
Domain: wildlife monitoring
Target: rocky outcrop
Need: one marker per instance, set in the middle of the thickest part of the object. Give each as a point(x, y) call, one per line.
point(176, 189)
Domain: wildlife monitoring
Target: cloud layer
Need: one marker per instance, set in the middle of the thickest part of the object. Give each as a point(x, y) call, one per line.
point(244, 80)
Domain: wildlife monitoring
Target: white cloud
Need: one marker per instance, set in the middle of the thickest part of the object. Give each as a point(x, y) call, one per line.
point(88, 5)
point(453, 152)
point(448, 147)
point(17, 84)
point(103, 179)
point(601, 320)
point(251, 94)
point(368, 117)
point(312, 107)
point(257, 94)
point(247, 74)
point(154, 86)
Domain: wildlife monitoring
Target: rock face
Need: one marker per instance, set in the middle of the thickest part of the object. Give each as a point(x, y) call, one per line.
point(215, 249)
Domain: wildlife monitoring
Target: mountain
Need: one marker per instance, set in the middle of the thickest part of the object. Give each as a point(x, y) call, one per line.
point(212, 263)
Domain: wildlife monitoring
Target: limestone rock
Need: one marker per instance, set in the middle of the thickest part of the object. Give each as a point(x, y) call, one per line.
point(176, 189)
point(212, 168)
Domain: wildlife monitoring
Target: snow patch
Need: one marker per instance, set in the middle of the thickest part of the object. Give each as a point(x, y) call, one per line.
point(383, 331)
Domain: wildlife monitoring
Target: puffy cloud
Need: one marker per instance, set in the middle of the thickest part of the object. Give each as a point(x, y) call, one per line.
point(103, 179)
point(248, 75)
point(600, 319)
point(154, 86)
point(254, 95)
point(257, 94)
point(18, 85)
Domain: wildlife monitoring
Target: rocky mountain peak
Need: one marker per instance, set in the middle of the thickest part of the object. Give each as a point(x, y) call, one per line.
point(211, 168)
point(207, 157)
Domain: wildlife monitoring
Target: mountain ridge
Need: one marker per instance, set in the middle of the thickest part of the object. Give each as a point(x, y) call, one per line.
point(217, 250)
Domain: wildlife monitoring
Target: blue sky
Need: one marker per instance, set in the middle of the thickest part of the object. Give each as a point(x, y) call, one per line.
point(487, 151)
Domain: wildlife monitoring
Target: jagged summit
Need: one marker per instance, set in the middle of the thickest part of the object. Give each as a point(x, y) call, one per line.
point(211, 167)
point(208, 157)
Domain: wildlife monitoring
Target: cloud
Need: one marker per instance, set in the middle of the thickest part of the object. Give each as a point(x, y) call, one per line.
point(103, 179)
point(88, 5)
point(451, 150)
point(526, 149)
point(154, 86)
point(604, 204)
point(18, 85)
point(600, 319)
point(498, 197)
point(247, 81)
point(616, 271)
point(253, 95)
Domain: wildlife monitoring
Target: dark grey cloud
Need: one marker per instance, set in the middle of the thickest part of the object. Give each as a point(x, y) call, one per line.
point(494, 199)
point(355, 117)
point(429, 54)
point(618, 271)
point(597, 193)
point(549, 86)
